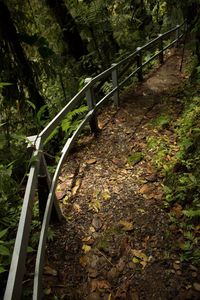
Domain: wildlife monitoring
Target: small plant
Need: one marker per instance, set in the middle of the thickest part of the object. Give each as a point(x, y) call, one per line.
point(135, 158)
point(162, 121)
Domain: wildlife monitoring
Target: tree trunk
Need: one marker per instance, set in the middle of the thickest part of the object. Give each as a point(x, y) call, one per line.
point(71, 35)
point(8, 33)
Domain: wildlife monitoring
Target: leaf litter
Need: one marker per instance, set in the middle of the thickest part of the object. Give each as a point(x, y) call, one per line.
point(115, 243)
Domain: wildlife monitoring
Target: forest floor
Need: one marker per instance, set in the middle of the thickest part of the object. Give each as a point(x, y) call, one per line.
point(117, 241)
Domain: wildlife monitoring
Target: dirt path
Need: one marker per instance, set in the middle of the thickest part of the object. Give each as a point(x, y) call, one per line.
point(115, 243)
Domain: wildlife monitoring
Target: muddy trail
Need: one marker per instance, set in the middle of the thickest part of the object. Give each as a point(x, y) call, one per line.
point(117, 242)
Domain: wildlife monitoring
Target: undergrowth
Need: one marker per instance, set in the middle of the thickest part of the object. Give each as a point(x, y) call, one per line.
point(179, 163)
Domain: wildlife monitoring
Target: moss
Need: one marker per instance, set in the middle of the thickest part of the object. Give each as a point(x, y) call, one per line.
point(162, 121)
point(135, 158)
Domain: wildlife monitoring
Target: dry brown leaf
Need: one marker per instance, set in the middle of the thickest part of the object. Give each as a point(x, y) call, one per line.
point(92, 229)
point(91, 161)
point(76, 187)
point(118, 162)
point(50, 271)
point(146, 189)
point(178, 210)
point(126, 226)
point(99, 285)
point(77, 207)
point(88, 240)
point(83, 261)
point(60, 194)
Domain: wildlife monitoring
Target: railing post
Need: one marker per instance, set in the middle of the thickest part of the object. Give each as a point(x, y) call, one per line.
point(44, 184)
point(177, 35)
point(139, 64)
point(91, 105)
point(161, 56)
point(115, 84)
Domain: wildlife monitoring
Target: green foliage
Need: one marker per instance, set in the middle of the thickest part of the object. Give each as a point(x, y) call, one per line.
point(73, 119)
point(160, 150)
point(192, 213)
point(110, 30)
point(135, 158)
point(162, 121)
point(10, 206)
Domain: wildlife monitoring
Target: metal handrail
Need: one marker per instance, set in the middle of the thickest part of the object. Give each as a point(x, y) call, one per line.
point(17, 268)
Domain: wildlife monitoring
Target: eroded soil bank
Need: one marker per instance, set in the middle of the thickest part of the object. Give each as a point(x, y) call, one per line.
point(117, 241)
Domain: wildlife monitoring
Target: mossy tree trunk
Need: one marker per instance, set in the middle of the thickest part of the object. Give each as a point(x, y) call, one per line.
point(71, 35)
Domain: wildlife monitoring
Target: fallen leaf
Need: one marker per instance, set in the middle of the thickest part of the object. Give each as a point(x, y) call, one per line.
point(65, 200)
point(126, 226)
point(176, 266)
point(135, 260)
point(146, 189)
point(76, 187)
point(118, 162)
point(50, 271)
point(196, 286)
point(106, 195)
point(88, 240)
point(143, 259)
point(122, 290)
point(99, 284)
point(91, 161)
point(83, 261)
point(86, 248)
point(77, 207)
point(60, 194)
point(92, 229)
point(95, 205)
point(178, 210)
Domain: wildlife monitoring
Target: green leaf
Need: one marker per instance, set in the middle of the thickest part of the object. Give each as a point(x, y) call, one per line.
point(2, 124)
point(3, 232)
point(4, 251)
point(31, 104)
point(2, 270)
point(41, 113)
point(30, 249)
point(54, 132)
point(2, 84)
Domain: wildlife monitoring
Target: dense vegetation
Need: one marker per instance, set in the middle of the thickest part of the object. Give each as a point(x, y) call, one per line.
point(47, 49)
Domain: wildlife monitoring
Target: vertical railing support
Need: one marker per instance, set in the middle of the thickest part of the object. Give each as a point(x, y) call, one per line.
point(177, 35)
point(139, 64)
point(91, 105)
point(161, 56)
point(44, 184)
point(115, 85)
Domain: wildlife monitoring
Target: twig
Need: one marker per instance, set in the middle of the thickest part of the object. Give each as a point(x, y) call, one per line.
point(105, 257)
